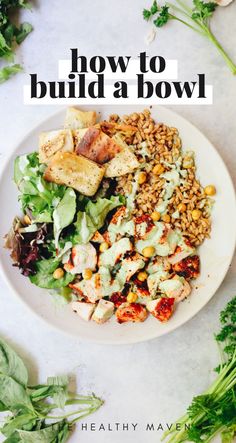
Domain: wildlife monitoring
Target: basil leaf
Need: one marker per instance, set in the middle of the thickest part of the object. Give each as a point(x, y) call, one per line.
point(60, 386)
point(18, 422)
point(58, 433)
point(44, 275)
point(13, 394)
point(15, 438)
point(64, 213)
point(12, 365)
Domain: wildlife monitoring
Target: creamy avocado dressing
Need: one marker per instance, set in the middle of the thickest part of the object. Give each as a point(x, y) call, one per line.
point(110, 256)
point(84, 231)
point(154, 280)
point(170, 286)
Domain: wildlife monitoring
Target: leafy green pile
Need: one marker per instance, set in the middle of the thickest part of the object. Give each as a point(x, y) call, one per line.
point(60, 218)
point(214, 412)
point(10, 35)
point(196, 18)
point(32, 418)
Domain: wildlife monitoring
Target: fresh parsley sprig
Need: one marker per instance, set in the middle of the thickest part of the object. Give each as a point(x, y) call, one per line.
point(11, 34)
point(33, 409)
point(197, 18)
point(214, 412)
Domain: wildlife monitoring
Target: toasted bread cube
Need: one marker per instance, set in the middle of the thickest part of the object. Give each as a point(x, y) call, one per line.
point(76, 171)
point(76, 119)
point(52, 142)
point(103, 311)
point(84, 310)
point(123, 163)
point(97, 146)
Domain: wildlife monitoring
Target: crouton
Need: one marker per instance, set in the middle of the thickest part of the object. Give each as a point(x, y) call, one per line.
point(97, 146)
point(75, 171)
point(52, 142)
point(76, 119)
point(123, 163)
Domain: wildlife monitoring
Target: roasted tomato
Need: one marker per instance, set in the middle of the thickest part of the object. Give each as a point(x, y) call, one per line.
point(188, 268)
point(162, 308)
point(118, 298)
point(131, 312)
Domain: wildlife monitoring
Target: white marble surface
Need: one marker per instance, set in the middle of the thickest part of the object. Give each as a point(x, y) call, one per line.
point(153, 381)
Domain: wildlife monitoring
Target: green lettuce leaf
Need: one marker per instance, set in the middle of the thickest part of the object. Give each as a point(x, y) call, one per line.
point(64, 213)
point(44, 275)
point(37, 195)
point(93, 218)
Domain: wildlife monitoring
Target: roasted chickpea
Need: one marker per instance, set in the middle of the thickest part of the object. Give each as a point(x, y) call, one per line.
point(87, 274)
point(142, 177)
point(158, 169)
point(103, 246)
point(149, 251)
point(166, 218)
point(58, 273)
point(182, 207)
point(131, 297)
point(155, 216)
point(142, 276)
point(196, 214)
point(210, 190)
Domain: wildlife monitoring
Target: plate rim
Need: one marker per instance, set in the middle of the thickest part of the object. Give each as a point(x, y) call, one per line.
point(130, 340)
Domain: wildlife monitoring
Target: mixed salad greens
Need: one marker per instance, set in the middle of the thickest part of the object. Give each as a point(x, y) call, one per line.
point(11, 34)
point(53, 208)
point(33, 415)
point(214, 412)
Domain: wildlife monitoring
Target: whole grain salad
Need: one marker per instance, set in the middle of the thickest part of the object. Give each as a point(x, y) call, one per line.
point(113, 214)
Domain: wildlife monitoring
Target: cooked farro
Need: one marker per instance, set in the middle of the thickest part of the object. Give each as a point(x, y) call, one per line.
point(154, 144)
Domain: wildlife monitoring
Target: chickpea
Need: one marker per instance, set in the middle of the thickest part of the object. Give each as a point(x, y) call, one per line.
point(103, 246)
point(27, 220)
point(87, 274)
point(166, 218)
point(149, 251)
point(210, 190)
point(155, 216)
point(142, 178)
point(182, 207)
point(188, 162)
point(158, 169)
point(131, 297)
point(196, 214)
point(58, 273)
point(142, 276)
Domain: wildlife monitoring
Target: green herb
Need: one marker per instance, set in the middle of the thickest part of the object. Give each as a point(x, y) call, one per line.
point(44, 275)
point(33, 409)
point(11, 34)
point(214, 412)
point(197, 18)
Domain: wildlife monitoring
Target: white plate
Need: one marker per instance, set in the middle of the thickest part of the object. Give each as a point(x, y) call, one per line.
point(216, 253)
